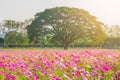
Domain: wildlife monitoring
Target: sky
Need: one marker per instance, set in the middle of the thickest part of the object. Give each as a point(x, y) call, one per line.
point(107, 11)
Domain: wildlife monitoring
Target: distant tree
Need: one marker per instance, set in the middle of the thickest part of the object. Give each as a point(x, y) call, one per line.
point(114, 31)
point(1, 41)
point(2, 30)
point(112, 42)
point(14, 38)
point(66, 25)
point(10, 25)
point(113, 36)
point(22, 25)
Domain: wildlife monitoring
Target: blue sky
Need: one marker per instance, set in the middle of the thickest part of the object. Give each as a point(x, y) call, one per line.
point(107, 11)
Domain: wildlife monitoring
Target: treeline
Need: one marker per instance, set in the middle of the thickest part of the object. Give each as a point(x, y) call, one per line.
point(59, 27)
point(13, 33)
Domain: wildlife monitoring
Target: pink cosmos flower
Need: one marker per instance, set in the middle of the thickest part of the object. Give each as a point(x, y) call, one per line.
point(104, 68)
point(68, 71)
point(9, 76)
point(11, 65)
point(79, 69)
point(94, 73)
point(2, 64)
point(36, 77)
point(114, 78)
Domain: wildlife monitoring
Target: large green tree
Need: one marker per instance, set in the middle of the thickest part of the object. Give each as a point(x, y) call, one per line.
point(65, 25)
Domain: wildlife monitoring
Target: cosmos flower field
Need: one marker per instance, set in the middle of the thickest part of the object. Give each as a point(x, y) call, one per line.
point(60, 64)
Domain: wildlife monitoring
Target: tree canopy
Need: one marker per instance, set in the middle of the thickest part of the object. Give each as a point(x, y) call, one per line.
point(65, 25)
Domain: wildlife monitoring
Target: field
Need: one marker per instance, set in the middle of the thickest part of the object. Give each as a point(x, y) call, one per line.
point(48, 64)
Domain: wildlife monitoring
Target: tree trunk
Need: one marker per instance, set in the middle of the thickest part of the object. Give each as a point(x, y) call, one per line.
point(65, 46)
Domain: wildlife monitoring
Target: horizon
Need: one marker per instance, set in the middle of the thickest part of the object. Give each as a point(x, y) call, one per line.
point(106, 11)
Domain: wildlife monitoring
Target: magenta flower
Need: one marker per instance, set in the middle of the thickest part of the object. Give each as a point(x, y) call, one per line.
point(2, 64)
point(36, 77)
point(94, 73)
point(79, 69)
point(9, 76)
point(11, 65)
point(104, 68)
point(68, 71)
point(117, 73)
point(114, 79)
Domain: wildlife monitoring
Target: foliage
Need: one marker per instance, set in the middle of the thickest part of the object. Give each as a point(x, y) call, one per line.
point(112, 42)
point(14, 38)
point(1, 40)
point(112, 36)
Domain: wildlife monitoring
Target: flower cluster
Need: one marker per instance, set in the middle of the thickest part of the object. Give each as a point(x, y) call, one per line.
point(59, 65)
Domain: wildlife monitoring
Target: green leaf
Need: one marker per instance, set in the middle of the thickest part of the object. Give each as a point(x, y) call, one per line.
point(1, 77)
